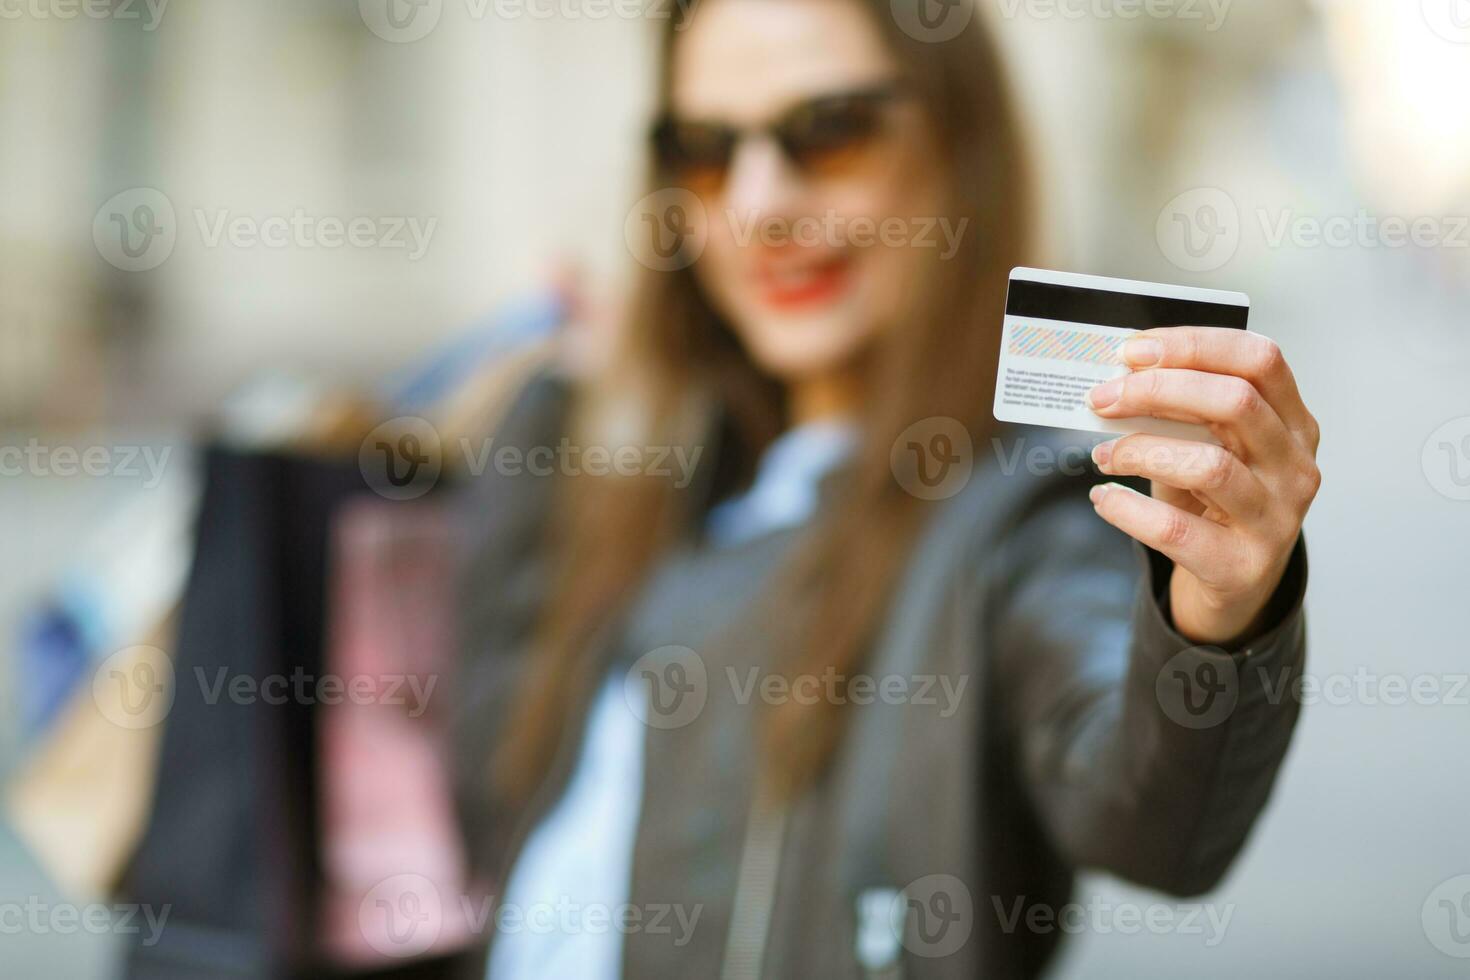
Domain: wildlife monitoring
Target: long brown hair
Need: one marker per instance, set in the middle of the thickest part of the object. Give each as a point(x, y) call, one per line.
point(683, 368)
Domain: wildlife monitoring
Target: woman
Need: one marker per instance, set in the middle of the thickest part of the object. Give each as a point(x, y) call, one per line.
point(784, 717)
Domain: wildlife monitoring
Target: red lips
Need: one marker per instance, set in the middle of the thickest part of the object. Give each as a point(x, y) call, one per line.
point(791, 281)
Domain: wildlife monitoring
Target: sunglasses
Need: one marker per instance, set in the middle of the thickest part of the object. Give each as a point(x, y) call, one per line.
point(826, 136)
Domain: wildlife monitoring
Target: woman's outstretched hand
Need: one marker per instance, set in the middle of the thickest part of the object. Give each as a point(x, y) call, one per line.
point(1227, 515)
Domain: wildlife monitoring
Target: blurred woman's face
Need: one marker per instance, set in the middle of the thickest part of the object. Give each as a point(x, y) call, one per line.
point(814, 167)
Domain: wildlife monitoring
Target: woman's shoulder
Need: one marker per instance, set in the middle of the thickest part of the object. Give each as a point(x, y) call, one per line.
point(502, 495)
point(1018, 470)
point(1026, 492)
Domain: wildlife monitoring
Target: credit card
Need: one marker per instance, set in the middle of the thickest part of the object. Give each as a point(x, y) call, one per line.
point(1064, 335)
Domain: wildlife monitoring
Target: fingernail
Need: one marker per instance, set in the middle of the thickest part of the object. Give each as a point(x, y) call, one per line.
point(1105, 394)
point(1097, 493)
point(1102, 452)
point(1141, 352)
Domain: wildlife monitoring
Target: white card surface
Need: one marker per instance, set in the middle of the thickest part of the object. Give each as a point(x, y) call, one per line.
point(1064, 334)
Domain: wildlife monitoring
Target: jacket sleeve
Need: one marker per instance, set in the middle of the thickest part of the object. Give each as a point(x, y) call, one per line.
point(1143, 755)
point(503, 579)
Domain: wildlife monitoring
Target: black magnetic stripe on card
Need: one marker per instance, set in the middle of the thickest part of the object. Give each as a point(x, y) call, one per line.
point(1101, 307)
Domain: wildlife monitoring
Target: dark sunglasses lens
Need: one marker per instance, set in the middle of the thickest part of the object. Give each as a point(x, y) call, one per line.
point(832, 136)
point(697, 154)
